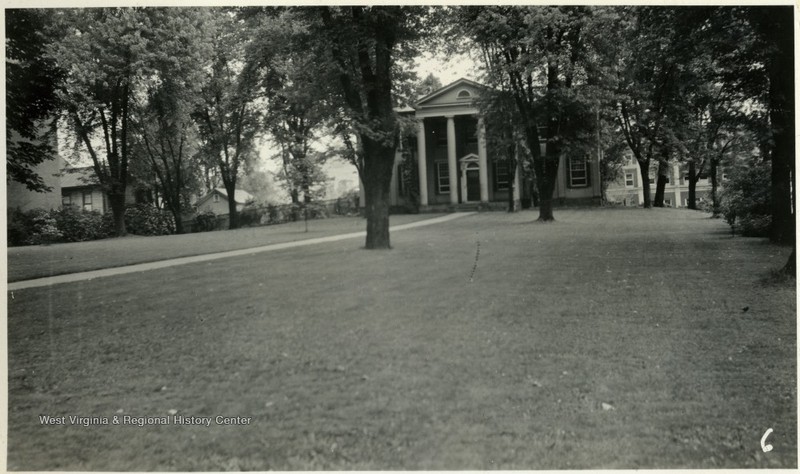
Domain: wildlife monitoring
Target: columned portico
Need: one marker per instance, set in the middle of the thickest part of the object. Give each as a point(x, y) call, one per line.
point(455, 163)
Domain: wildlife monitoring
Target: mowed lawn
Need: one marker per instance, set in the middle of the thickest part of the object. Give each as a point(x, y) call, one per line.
point(620, 338)
point(30, 262)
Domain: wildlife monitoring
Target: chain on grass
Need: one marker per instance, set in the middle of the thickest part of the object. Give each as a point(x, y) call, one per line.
point(477, 256)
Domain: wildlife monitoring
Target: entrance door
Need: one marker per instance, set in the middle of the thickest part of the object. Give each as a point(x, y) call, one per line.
point(473, 185)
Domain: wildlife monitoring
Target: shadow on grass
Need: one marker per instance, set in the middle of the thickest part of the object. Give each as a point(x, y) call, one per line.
point(778, 278)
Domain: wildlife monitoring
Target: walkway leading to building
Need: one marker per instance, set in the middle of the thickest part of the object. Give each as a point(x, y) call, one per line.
point(141, 267)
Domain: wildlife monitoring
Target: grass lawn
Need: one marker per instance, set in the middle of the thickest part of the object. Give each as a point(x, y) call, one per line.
point(608, 339)
point(25, 263)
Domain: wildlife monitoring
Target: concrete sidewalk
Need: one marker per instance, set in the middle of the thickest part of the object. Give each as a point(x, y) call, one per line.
point(141, 267)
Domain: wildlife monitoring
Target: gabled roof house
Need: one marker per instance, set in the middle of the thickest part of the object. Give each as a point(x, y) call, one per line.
point(216, 201)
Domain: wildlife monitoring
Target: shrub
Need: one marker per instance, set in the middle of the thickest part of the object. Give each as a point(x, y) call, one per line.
point(19, 227)
point(250, 216)
point(146, 219)
point(274, 213)
point(77, 225)
point(746, 200)
point(204, 222)
point(755, 225)
point(43, 227)
point(317, 210)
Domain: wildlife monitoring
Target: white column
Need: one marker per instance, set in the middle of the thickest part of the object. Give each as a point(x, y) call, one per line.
point(483, 173)
point(422, 163)
point(451, 159)
point(676, 176)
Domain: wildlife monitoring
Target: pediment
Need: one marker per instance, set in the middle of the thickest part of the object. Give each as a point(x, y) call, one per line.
point(460, 92)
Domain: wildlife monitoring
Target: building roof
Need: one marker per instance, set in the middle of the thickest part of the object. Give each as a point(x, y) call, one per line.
point(78, 177)
point(241, 196)
point(443, 90)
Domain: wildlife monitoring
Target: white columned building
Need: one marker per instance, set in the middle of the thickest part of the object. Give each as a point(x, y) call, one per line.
point(456, 166)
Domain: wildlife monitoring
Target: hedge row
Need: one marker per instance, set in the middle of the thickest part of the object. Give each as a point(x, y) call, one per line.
point(71, 224)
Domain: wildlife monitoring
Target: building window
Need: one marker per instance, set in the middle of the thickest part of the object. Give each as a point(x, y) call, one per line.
point(464, 94)
point(216, 197)
point(66, 200)
point(442, 177)
point(87, 200)
point(439, 133)
point(578, 173)
point(470, 128)
point(629, 179)
point(502, 176)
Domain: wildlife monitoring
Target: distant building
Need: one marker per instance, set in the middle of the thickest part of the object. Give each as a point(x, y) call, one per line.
point(216, 201)
point(19, 197)
point(628, 190)
point(81, 189)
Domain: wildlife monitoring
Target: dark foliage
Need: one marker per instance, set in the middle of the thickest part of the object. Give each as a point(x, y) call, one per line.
point(31, 100)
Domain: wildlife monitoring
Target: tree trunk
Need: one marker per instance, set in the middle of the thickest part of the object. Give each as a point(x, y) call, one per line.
point(644, 172)
point(175, 209)
point(692, 199)
point(117, 202)
point(378, 164)
point(661, 183)
point(790, 269)
point(715, 208)
point(178, 223)
point(781, 113)
point(511, 186)
point(233, 216)
point(546, 175)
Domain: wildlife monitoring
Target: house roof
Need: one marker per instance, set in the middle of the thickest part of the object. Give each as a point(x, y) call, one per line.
point(241, 196)
point(78, 177)
point(443, 90)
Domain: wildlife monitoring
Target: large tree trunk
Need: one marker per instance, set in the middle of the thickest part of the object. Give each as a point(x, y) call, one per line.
point(178, 222)
point(117, 202)
point(781, 112)
point(692, 199)
point(715, 208)
point(661, 183)
point(233, 216)
point(644, 172)
point(790, 268)
point(546, 176)
point(378, 164)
